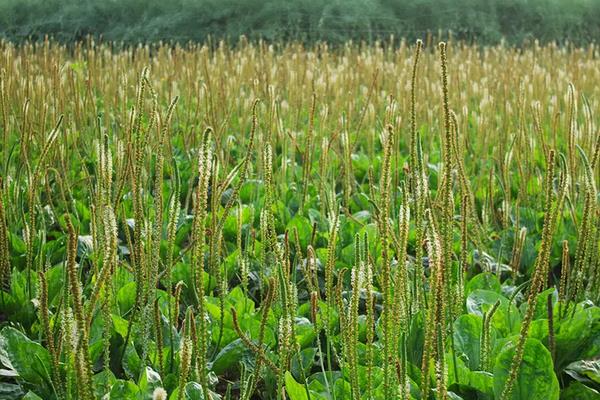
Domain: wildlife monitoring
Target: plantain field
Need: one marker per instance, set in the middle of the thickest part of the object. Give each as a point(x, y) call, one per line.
point(280, 221)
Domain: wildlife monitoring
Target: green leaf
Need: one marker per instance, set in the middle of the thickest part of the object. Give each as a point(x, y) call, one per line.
point(482, 382)
point(126, 297)
point(124, 390)
point(325, 313)
point(10, 391)
point(536, 379)
point(453, 396)
point(579, 391)
point(585, 370)
point(193, 391)
point(460, 374)
point(96, 351)
point(251, 190)
point(18, 305)
point(103, 381)
point(506, 319)
point(361, 164)
point(317, 382)
point(473, 381)
point(25, 357)
point(539, 330)
point(577, 336)
point(541, 303)
point(120, 325)
point(342, 389)
point(31, 396)
point(131, 362)
point(484, 280)
point(303, 362)
point(295, 390)
point(467, 334)
point(376, 375)
point(302, 224)
point(236, 298)
point(230, 355)
point(305, 332)
point(149, 381)
point(416, 340)
point(55, 279)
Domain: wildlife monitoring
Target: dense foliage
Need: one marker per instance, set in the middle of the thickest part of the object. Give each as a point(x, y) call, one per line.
point(299, 223)
point(132, 21)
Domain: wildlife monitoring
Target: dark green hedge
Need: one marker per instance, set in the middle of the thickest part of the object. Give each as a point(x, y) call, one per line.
point(487, 21)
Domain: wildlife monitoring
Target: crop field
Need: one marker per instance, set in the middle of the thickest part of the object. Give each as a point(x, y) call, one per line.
point(279, 221)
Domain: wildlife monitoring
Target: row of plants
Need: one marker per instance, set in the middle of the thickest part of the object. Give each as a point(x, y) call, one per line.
point(293, 223)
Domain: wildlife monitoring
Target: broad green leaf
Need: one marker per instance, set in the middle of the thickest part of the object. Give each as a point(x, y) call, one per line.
point(482, 381)
point(361, 164)
point(376, 376)
point(317, 386)
point(318, 381)
point(585, 370)
point(251, 190)
point(579, 391)
point(467, 338)
point(466, 380)
point(536, 379)
point(31, 396)
point(230, 356)
point(541, 303)
point(103, 381)
point(191, 391)
point(126, 297)
point(295, 390)
point(456, 374)
point(236, 298)
point(485, 281)
point(17, 304)
point(577, 336)
point(55, 278)
point(120, 325)
point(305, 332)
point(506, 319)
point(342, 389)
point(95, 351)
point(131, 361)
point(122, 277)
point(124, 390)
point(171, 381)
point(10, 391)
point(303, 362)
point(149, 381)
point(302, 224)
point(27, 358)
point(323, 315)
point(416, 340)
point(539, 330)
point(17, 244)
point(231, 223)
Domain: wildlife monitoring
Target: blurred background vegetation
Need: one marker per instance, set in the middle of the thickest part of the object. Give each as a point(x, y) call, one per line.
point(335, 21)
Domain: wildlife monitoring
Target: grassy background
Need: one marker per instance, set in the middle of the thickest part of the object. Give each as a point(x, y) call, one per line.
point(335, 21)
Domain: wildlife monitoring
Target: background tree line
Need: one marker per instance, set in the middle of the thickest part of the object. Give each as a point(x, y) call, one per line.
point(335, 21)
